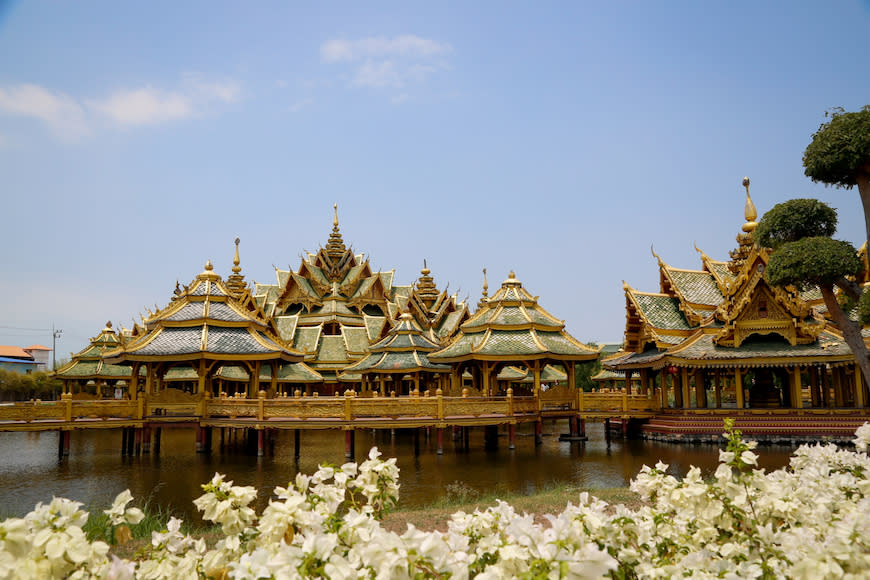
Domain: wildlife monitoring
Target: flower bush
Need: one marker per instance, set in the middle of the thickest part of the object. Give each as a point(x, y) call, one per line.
point(809, 520)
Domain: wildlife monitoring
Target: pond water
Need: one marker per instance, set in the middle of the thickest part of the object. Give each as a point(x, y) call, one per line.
point(94, 472)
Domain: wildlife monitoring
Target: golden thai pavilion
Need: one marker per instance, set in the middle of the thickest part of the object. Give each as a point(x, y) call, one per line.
point(721, 336)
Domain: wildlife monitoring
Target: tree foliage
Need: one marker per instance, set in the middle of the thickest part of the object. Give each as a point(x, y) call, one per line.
point(796, 219)
point(812, 262)
point(840, 149)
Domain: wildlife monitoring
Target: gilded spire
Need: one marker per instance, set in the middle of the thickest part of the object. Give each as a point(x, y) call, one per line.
point(426, 289)
point(745, 238)
point(484, 296)
point(235, 281)
point(335, 247)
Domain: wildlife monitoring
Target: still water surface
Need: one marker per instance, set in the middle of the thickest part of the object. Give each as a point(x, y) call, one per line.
point(95, 471)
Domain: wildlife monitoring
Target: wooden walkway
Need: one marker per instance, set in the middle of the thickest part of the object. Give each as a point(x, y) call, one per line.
point(340, 412)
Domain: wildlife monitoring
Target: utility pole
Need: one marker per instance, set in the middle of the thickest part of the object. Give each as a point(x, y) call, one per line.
point(55, 334)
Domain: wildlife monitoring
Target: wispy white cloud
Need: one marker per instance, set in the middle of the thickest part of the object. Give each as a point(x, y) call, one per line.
point(406, 45)
point(148, 106)
point(71, 118)
point(300, 104)
point(144, 106)
point(63, 115)
point(388, 63)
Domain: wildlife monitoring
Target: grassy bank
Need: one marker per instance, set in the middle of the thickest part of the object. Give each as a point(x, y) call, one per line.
point(550, 500)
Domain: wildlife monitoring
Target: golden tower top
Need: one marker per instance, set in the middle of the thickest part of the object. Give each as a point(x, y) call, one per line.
point(235, 281)
point(745, 239)
point(335, 247)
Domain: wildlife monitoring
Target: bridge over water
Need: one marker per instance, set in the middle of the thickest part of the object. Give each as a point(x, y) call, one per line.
point(142, 419)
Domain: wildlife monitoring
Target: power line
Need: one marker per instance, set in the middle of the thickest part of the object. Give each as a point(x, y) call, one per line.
point(29, 329)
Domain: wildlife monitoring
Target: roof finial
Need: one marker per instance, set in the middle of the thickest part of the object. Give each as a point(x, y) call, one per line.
point(749, 211)
point(235, 281)
point(335, 247)
point(484, 296)
point(745, 238)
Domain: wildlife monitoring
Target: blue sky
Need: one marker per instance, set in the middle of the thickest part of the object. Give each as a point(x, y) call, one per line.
point(559, 140)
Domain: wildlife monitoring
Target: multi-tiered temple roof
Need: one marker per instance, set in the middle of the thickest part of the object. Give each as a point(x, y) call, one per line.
point(725, 314)
point(334, 306)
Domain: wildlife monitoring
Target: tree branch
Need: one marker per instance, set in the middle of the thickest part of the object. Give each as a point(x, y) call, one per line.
point(850, 287)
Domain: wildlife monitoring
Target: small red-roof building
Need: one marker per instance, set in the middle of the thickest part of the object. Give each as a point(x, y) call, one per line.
point(15, 358)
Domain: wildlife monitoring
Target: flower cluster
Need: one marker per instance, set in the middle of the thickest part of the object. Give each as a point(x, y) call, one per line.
point(809, 520)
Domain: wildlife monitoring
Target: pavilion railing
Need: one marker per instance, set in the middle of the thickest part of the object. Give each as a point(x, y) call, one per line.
point(345, 407)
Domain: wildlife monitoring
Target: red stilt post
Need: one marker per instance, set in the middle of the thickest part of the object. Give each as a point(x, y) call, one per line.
point(146, 439)
point(512, 434)
point(138, 442)
point(198, 439)
point(539, 428)
point(440, 433)
point(261, 442)
point(348, 444)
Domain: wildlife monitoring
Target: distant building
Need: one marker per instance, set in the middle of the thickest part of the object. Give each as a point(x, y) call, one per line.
point(15, 358)
point(41, 354)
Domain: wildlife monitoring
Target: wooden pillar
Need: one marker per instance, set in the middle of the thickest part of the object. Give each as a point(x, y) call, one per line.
point(717, 386)
point(572, 377)
point(255, 379)
point(274, 379)
point(826, 390)
point(860, 389)
point(149, 378)
point(666, 377)
point(512, 434)
point(439, 432)
point(133, 385)
point(261, 442)
point(796, 389)
point(455, 380)
point(536, 371)
point(296, 443)
point(700, 389)
point(485, 370)
point(684, 388)
point(539, 428)
point(815, 393)
point(644, 379)
point(738, 388)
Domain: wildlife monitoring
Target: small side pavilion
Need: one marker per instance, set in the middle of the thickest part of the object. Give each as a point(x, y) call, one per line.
point(87, 370)
point(511, 329)
point(205, 327)
point(402, 358)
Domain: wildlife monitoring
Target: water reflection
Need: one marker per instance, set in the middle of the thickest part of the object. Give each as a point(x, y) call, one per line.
point(95, 471)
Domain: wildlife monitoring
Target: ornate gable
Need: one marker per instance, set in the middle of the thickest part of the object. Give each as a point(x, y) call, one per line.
point(752, 306)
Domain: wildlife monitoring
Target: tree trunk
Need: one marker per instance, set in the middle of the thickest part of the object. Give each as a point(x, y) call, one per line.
point(862, 179)
point(851, 331)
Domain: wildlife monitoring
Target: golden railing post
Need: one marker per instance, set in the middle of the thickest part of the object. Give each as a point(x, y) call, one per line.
point(439, 395)
point(510, 399)
point(67, 412)
point(205, 402)
point(261, 402)
point(348, 401)
point(624, 402)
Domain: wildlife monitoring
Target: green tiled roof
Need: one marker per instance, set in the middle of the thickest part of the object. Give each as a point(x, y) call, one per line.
point(233, 373)
point(331, 349)
point(722, 270)
point(559, 344)
point(80, 369)
point(697, 287)
point(356, 339)
point(662, 311)
point(181, 373)
point(291, 373)
point(286, 326)
point(827, 346)
point(505, 342)
point(374, 326)
point(307, 338)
